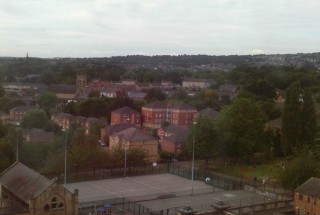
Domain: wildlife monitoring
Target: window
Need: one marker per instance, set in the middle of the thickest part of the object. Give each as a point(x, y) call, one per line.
point(308, 199)
point(46, 208)
point(54, 202)
point(300, 211)
point(300, 197)
point(314, 201)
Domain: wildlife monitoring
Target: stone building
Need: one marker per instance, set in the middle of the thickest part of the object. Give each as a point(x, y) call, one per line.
point(24, 191)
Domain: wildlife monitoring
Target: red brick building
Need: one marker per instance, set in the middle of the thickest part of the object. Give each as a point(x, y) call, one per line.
point(126, 115)
point(307, 198)
point(156, 113)
point(173, 138)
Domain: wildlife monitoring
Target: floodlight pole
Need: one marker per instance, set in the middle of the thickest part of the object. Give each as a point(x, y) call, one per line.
point(65, 158)
point(125, 145)
point(194, 134)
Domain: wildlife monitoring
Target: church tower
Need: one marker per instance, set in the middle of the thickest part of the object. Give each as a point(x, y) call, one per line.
point(81, 83)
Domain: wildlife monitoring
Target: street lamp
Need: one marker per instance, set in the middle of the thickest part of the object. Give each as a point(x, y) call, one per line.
point(65, 158)
point(125, 146)
point(194, 135)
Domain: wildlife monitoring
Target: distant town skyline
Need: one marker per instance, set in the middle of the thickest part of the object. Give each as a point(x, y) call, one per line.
point(104, 28)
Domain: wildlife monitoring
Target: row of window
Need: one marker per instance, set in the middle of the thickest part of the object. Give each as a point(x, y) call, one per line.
point(308, 199)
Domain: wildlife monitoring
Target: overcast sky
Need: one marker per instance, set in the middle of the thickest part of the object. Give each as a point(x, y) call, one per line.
point(98, 28)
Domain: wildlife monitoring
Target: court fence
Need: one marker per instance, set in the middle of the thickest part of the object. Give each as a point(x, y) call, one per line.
point(216, 180)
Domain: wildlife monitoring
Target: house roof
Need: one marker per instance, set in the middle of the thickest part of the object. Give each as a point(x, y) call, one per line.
point(62, 115)
point(175, 129)
point(24, 182)
point(112, 129)
point(310, 187)
point(63, 88)
point(125, 110)
point(38, 133)
point(209, 112)
point(134, 134)
point(23, 108)
point(179, 137)
point(276, 123)
point(198, 80)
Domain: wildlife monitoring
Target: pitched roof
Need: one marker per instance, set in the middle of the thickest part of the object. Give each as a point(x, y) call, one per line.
point(310, 187)
point(24, 182)
point(198, 80)
point(175, 129)
point(182, 106)
point(209, 112)
point(63, 88)
point(112, 129)
point(276, 123)
point(38, 133)
point(179, 137)
point(125, 110)
point(134, 134)
point(23, 108)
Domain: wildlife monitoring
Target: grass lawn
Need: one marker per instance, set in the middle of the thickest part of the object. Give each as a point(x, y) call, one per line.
point(267, 171)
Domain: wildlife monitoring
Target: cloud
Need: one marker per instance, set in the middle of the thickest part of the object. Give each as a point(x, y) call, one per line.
point(257, 51)
point(120, 27)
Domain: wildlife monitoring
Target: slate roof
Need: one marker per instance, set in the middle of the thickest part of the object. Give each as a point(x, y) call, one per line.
point(209, 112)
point(276, 123)
point(199, 80)
point(23, 108)
point(62, 115)
point(179, 137)
point(24, 182)
point(112, 129)
point(310, 188)
point(175, 129)
point(134, 134)
point(38, 133)
point(125, 110)
point(63, 88)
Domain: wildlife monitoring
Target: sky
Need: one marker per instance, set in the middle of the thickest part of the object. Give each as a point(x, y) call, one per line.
point(104, 28)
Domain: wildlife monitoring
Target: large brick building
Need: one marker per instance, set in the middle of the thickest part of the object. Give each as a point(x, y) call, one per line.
point(156, 113)
point(307, 198)
point(135, 138)
point(126, 115)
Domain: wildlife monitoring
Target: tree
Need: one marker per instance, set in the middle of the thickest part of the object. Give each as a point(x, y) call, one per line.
point(241, 128)
point(204, 134)
point(6, 155)
point(1, 91)
point(7, 103)
point(34, 154)
point(298, 120)
point(155, 94)
point(308, 119)
point(47, 101)
point(300, 169)
point(36, 118)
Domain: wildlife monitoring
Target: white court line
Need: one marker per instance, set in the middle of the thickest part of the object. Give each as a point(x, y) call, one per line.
point(150, 186)
point(103, 189)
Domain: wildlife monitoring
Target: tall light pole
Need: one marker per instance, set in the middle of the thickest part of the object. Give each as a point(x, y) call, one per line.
point(125, 146)
point(194, 135)
point(65, 158)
